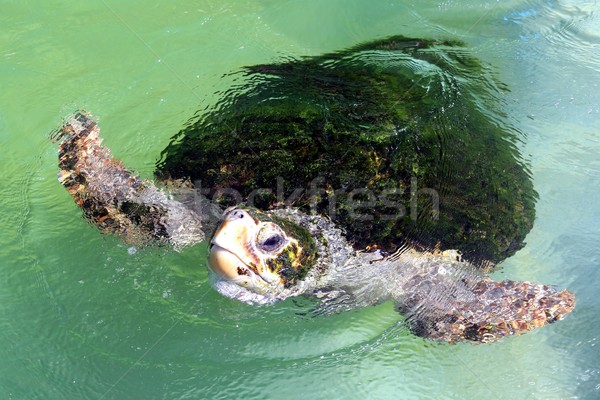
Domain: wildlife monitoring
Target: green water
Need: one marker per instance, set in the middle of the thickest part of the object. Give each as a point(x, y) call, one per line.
point(84, 317)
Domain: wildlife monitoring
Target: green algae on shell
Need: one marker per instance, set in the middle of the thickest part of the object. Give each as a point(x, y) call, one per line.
point(398, 141)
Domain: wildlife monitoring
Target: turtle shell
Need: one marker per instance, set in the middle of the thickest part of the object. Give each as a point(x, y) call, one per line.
point(399, 141)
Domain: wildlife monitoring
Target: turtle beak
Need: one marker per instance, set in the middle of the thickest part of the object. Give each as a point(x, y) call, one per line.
point(231, 252)
point(225, 263)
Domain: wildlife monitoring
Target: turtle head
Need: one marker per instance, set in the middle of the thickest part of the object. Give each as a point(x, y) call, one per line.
point(260, 251)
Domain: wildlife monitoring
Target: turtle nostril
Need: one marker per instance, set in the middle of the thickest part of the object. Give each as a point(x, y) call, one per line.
point(238, 214)
point(234, 214)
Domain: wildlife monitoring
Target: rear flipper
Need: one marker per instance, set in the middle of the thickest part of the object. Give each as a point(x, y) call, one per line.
point(115, 200)
point(485, 311)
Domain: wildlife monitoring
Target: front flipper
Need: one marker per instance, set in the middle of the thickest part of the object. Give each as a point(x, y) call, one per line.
point(451, 305)
point(115, 200)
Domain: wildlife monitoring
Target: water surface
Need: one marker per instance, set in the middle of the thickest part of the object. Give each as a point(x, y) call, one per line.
point(84, 316)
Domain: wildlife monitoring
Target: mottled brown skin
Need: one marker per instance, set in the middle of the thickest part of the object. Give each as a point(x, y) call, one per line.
point(495, 310)
point(111, 197)
point(112, 212)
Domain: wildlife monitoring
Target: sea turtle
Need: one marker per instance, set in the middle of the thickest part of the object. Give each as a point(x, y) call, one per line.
point(335, 117)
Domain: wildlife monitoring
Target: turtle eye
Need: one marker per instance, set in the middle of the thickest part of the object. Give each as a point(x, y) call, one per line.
point(272, 243)
point(270, 240)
